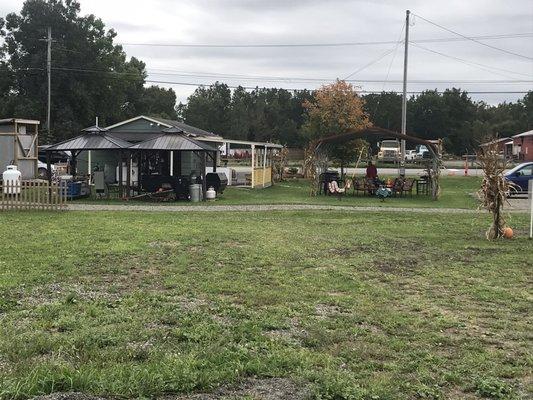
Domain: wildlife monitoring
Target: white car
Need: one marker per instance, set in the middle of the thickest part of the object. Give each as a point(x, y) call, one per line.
point(410, 155)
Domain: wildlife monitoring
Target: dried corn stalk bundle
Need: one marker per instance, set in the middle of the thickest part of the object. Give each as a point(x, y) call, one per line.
point(494, 187)
point(314, 164)
point(280, 162)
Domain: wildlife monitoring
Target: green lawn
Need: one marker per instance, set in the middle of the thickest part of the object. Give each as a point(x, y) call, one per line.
point(347, 305)
point(456, 193)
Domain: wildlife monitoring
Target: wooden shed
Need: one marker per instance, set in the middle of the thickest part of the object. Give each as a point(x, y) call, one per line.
point(18, 145)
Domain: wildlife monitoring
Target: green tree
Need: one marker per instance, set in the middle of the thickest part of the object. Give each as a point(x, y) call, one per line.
point(90, 74)
point(209, 108)
point(384, 110)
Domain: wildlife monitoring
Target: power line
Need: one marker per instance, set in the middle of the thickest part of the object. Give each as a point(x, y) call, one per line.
point(300, 89)
point(370, 63)
point(394, 55)
point(283, 79)
point(298, 79)
point(474, 39)
point(484, 67)
point(340, 44)
point(112, 73)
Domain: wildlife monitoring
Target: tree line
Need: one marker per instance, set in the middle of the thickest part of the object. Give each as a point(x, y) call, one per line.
point(279, 115)
point(92, 76)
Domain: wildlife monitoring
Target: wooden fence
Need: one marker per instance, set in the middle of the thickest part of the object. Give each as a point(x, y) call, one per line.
point(33, 195)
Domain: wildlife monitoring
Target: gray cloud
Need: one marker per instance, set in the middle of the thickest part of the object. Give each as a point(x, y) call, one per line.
point(320, 21)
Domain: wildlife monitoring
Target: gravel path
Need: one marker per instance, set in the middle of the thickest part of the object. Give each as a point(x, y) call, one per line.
point(254, 208)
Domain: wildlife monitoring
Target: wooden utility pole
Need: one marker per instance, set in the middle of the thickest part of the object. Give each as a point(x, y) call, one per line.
point(404, 97)
point(49, 73)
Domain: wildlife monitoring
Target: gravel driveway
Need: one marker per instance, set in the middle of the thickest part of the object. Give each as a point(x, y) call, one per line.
point(266, 207)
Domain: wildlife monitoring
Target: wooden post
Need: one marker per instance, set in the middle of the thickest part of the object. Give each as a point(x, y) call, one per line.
point(49, 166)
point(204, 183)
point(49, 171)
point(73, 162)
point(120, 185)
point(264, 166)
point(128, 174)
point(215, 161)
point(253, 164)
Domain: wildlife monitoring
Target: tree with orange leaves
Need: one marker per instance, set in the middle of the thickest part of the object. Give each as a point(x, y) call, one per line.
point(337, 108)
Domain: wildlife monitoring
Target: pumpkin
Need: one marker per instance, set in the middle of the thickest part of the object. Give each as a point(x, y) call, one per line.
point(507, 232)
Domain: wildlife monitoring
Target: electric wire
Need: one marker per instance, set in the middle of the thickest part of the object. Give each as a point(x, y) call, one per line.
point(473, 39)
point(473, 63)
point(339, 44)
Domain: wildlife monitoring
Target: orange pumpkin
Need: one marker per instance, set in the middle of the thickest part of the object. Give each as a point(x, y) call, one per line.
point(507, 232)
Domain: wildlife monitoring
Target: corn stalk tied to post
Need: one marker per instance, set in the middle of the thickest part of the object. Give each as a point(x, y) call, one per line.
point(315, 162)
point(494, 187)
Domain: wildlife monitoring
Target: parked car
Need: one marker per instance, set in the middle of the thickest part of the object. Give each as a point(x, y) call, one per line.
point(520, 176)
point(410, 155)
point(42, 170)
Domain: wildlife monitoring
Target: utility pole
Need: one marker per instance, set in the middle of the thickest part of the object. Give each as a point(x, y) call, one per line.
point(49, 73)
point(404, 98)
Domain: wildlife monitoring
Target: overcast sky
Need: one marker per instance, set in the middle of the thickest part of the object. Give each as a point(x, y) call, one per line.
point(244, 22)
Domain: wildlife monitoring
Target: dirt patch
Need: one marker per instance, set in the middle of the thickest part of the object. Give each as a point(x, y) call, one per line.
point(323, 311)
point(471, 253)
point(165, 244)
point(399, 266)
point(258, 389)
point(68, 396)
point(293, 334)
point(67, 292)
point(100, 286)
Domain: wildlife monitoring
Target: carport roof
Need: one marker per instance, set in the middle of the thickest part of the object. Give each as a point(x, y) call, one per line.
point(94, 138)
point(173, 139)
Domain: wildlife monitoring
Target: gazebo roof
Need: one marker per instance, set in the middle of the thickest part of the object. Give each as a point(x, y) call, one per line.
point(93, 138)
point(173, 139)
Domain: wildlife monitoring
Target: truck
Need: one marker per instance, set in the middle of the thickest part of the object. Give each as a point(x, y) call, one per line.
point(389, 151)
point(410, 155)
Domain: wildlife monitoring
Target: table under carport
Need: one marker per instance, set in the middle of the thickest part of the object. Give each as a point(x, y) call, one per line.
point(160, 162)
point(93, 138)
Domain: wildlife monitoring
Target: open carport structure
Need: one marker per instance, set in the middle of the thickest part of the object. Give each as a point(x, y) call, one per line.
point(318, 146)
point(156, 156)
point(93, 138)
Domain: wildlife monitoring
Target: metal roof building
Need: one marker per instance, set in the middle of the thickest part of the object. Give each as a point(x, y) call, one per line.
point(173, 139)
point(93, 138)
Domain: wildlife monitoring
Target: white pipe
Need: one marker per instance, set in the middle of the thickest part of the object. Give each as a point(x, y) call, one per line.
point(171, 163)
point(89, 170)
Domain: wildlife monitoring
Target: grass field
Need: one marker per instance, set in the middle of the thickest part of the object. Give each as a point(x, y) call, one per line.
point(456, 193)
point(344, 305)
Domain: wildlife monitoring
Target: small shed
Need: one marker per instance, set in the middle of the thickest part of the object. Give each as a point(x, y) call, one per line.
point(19, 145)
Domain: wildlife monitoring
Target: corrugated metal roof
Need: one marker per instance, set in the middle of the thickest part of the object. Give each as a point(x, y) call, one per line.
point(528, 133)
point(173, 141)
point(18, 120)
point(191, 130)
point(91, 140)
